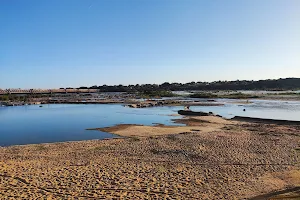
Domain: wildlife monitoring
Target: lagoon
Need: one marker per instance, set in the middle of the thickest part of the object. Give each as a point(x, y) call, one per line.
point(62, 122)
point(68, 122)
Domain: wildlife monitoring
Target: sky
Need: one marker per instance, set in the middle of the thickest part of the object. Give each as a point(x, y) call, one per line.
point(72, 43)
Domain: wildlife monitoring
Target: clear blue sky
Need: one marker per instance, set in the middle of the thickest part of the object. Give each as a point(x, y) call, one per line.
point(70, 43)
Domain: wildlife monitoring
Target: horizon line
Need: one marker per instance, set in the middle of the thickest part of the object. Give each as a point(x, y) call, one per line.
point(149, 84)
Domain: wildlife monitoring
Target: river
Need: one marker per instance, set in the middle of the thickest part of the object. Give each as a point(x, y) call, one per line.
point(62, 122)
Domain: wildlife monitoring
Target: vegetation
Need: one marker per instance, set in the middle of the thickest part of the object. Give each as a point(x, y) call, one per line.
point(13, 97)
point(203, 95)
point(237, 95)
point(134, 139)
point(20, 98)
point(165, 89)
point(158, 93)
point(271, 85)
point(171, 137)
point(40, 147)
point(288, 93)
point(4, 98)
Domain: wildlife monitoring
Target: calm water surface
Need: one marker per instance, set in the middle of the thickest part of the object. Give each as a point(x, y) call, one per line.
point(58, 123)
point(270, 109)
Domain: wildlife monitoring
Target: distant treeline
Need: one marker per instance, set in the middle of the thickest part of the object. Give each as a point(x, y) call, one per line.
point(279, 84)
point(22, 98)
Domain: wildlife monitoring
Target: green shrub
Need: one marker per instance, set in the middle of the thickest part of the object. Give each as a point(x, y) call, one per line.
point(160, 93)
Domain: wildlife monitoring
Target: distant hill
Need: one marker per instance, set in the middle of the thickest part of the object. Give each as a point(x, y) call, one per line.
point(270, 84)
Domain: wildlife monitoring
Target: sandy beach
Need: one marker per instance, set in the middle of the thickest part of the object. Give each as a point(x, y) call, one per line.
point(144, 99)
point(208, 158)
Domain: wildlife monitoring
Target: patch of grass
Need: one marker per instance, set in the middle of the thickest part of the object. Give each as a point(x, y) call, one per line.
point(252, 129)
point(185, 133)
point(40, 147)
point(99, 148)
point(229, 128)
point(160, 93)
point(172, 137)
point(161, 169)
point(288, 93)
point(134, 139)
point(263, 133)
point(154, 151)
point(237, 95)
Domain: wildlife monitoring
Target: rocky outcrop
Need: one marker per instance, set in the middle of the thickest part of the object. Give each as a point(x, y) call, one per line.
point(192, 113)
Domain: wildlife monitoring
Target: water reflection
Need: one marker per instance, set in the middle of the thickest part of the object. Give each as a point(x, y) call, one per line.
point(57, 123)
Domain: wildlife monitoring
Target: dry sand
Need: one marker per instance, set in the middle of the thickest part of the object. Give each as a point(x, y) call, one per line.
point(210, 158)
point(203, 124)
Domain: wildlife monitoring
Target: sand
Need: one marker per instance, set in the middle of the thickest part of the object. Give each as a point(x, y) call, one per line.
point(204, 124)
point(210, 158)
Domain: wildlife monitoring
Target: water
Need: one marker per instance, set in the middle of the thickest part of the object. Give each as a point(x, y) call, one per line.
point(286, 110)
point(252, 92)
point(57, 123)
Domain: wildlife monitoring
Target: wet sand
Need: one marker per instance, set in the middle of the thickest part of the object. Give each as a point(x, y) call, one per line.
point(209, 158)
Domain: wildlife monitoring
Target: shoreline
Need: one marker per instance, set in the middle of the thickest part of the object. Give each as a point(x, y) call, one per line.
point(208, 158)
point(214, 122)
point(183, 101)
point(265, 120)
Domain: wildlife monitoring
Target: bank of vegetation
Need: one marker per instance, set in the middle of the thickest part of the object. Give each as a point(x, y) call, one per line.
point(288, 93)
point(237, 95)
point(22, 98)
point(158, 94)
point(271, 85)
